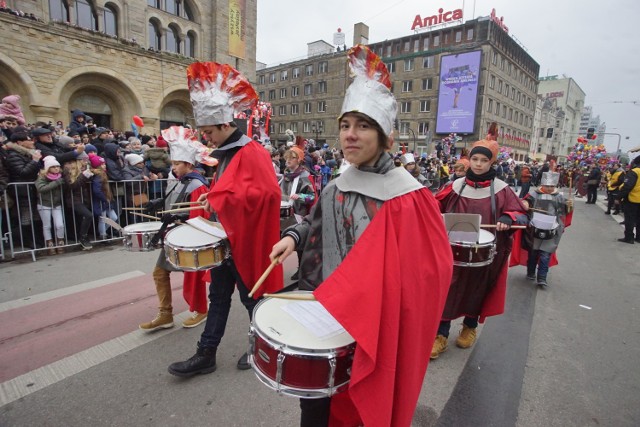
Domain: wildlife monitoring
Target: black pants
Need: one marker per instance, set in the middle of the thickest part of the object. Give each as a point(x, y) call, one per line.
point(631, 220)
point(86, 217)
point(612, 198)
point(526, 186)
point(314, 412)
point(592, 193)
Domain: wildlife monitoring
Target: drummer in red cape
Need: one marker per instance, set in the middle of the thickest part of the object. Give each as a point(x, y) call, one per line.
point(368, 225)
point(244, 197)
point(185, 153)
point(479, 292)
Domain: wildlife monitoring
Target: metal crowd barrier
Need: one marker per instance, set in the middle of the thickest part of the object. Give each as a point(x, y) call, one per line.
point(22, 229)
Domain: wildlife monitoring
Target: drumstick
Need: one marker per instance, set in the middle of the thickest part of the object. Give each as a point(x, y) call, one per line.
point(298, 297)
point(539, 210)
point(192, 208)
point(145, 215)
point(263, 277)
point(132, 209)
point(185, 203)
point(494, 226)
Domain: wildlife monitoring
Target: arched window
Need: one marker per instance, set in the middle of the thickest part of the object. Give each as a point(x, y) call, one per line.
point(173, 40)
point(86, 16)
point(190, 45)
point(110, 20)
point(59, 10)
point(155, 36)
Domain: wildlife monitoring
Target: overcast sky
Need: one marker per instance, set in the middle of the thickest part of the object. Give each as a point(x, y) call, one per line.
point(593, 42)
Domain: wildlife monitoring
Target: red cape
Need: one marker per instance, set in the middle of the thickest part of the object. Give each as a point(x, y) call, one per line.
point(247, 201)
point(391, 306)
point(520, 256)
point(194, 285)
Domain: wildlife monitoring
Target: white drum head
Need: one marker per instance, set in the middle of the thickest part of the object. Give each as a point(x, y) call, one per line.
point(142, 227)
point(189, 237)
point(284, 204)
point(271, 320)
point(486, 236)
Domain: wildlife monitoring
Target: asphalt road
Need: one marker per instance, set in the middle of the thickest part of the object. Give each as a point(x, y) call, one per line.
point(70, 353)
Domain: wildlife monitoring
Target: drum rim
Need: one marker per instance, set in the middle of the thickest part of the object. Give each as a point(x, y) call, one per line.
point(128, 229)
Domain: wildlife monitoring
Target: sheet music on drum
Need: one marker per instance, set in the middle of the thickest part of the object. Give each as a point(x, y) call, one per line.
point(208, 227)
point(315, 318)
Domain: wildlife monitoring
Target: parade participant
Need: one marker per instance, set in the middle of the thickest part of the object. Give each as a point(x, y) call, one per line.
point(614, 185)
point(593, 181)
point(409, 162)
point(540, 245)
point(479, 292)
point(630, 193)
point(460, 169)
point(186, 151)
point(244, 197)
point(368, 222)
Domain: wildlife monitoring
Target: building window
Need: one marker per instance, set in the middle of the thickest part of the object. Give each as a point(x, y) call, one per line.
point(59, 10)
point(398, 49)
point(261, 95)
point(272, 78)
point(294, 127)
point(261, 79)
point(423, 128)
point(308, 89)
point(500, 86)
point(513, 93)
point(294, 110)
point(494, 59)
point(506, 90)
point(458, 36)
point(86, 16)
point(309, 70)
point(504, 111)
point(295, 91)
point(322, 106)
point(446, 38)
point(272, 94)
point(404, 128)
point(490, 106)
point(436, 40)
point(306, 127)
point(296, 72)
point(283, 93)
point(391, 67)
point(425, 106)
point(282, 127)
point(307, 107)
point(408, 64)
point(282, 110)
point(322, 87)
point(407, 46)
point(110, 20)
point(173, 41)
point(492, 82)
point(284, 75)
point(405, 107)
point(416, 45)
point(425, 43)
point(428, 62)
point(190, 45)
point(407, 85)
point(155, 36)
point(511, 114)
point(497, 108)
point(171, 7)
point(427, 84)
point(388, 50)
point(323, 67)
point(470, 34)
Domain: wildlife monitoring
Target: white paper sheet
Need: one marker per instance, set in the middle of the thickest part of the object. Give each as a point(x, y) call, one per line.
point(315, 318)
point(208, 227)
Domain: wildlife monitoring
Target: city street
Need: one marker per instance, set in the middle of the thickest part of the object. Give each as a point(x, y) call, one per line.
point(71, 353)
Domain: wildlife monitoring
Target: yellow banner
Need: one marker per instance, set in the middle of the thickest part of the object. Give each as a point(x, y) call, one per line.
point(237, 25)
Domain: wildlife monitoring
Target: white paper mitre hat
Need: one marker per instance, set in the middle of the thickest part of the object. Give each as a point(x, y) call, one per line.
point(185, 147)
point(408, 158)
point(369, 92)
point(218, 92)
point(550, 178)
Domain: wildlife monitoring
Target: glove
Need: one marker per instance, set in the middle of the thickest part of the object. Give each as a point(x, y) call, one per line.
point(167, 218)
point(153, 205)
point(506, 219)
point(87, 173)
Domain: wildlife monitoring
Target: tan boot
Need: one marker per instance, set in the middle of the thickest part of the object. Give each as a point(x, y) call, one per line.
point(440, 345)
point(467, 337)
point(60, 248)
point(194, 320)
point(163, 320)
point(51, 246)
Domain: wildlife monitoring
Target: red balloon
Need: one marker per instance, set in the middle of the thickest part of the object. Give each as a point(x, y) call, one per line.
point(594, 136)
point(138, 121)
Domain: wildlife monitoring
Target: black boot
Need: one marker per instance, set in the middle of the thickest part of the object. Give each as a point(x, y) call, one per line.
point(607, 212)
point(203, 362)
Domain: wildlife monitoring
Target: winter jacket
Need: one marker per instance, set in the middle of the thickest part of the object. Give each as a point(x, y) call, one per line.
point(159, 159)
point(49, 192)
point(56, 150)
point(22, 168)
point(100, 202)
point(77, 192)
point(115, 165)
point(75, 125)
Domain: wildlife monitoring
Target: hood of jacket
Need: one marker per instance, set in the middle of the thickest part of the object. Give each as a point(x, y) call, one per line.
point(111, 151)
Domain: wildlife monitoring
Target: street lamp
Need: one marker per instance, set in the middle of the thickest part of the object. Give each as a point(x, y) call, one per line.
point(317, 129)
point(414, 138)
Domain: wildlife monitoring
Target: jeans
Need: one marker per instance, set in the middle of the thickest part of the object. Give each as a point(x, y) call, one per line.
point(541, 259)
point(525, 189)
point(445, 325)
point(46, 213)
point(102, 226)
point(224, 280)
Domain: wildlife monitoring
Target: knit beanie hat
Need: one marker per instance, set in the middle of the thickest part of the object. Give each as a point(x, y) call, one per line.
point(82, 156)
point(161, 143)
point(488, 146)
point(95, 161)
point(90, 148)
point(50, 161)
point(133, 159)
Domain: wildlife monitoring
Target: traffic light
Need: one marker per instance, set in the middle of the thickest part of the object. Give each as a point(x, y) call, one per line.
point(590, 132)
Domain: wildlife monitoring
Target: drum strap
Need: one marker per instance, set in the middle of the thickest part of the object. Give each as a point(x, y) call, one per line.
point(294, 186)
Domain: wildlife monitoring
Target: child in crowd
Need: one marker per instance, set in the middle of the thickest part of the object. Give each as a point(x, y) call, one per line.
point(77, 178)
point(101, 195)
point(49, 184)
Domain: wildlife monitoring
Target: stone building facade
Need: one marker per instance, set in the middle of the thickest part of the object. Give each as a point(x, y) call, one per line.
point(114, 58)
point(308, 93)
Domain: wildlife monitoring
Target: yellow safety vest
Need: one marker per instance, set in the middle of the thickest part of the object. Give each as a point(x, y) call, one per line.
point(634, 194)
point(613, 179)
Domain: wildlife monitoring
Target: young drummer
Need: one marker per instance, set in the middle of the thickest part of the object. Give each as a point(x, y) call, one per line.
point(478, 292)
point(369, 222)
point(409, 162)
point(541, 245)
point(185, 149)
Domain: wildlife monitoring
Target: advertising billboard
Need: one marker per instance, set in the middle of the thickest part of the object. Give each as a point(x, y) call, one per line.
point(458, 92)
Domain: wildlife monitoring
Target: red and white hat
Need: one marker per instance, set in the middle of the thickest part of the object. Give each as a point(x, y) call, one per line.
point(185, 147)
point(218, 92)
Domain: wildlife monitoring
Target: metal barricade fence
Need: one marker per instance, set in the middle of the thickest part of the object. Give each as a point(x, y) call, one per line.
point(21, 225)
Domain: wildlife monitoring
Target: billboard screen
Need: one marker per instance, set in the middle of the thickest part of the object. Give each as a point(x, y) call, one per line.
point(458, 91)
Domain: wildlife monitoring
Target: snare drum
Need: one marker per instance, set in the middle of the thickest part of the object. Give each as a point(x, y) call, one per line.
point(471, 254)
point(189, 249)
point(544, 234)
point(286, 209)
point(137, 237)
point(290, 359)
